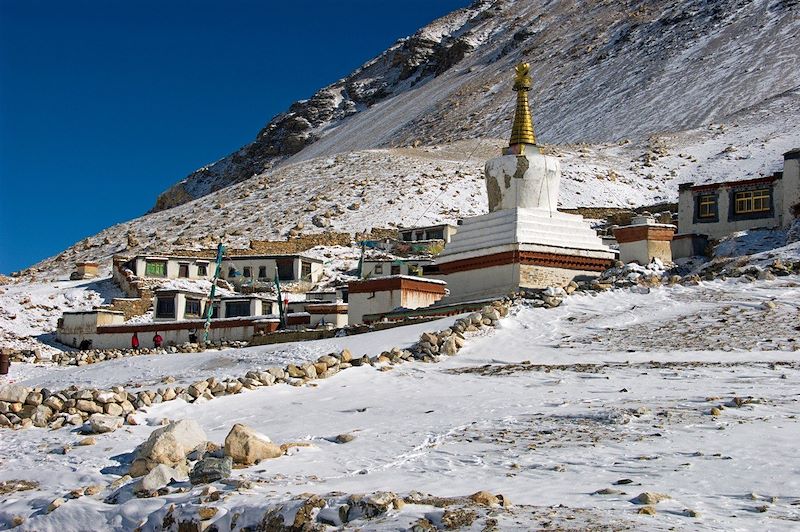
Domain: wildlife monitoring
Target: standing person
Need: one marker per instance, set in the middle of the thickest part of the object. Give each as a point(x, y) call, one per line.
point(157, 340)
point(135, 341)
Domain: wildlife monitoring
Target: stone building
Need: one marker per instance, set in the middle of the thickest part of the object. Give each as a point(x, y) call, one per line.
point(524, 241)
point(243, 267)
point(718, 209)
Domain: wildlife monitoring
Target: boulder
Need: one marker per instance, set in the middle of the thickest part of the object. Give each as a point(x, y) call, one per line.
point(90, 407)
point(13, 393)
point(40, 416)
point(449, 346)
point(485, 498)
point(246, 446)
point(168, 445)
point(649, 497)
point(211, 470)
point(157, 478)
point(102, 423)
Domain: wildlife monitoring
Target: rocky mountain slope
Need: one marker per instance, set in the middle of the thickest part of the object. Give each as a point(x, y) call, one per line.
point(363, 189)
point(603, 71)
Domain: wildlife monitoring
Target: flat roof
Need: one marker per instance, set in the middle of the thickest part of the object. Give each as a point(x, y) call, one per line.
point(209, 258)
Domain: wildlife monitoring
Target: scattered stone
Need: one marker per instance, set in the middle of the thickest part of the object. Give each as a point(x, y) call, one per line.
point(485, 498)
point(649, 497)
point(157, 478)
point(715, 411)
point(647, 510)
point(608, 491)
point(94, 489)
point(207, 512)
point(11, 486)
point(344, 438)
point(90, 440)
point(691, 513)
point(210, 470)
point(458, 518)
point(246, 446)
point(57, 503)
point(17, 520)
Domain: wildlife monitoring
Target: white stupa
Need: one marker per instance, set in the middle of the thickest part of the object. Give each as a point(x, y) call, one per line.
point(523, 242)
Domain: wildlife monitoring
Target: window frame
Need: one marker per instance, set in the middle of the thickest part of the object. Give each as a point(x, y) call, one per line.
point(202, 270)
point(168, 302)
point(193, 302)
point(707, 200)
point(183, 267)
point(750, 198)
point(148, 270)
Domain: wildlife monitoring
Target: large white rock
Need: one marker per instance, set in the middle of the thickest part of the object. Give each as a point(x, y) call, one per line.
point(101, 423)
point(246, 446)
point(168, 445)
point(14, 393)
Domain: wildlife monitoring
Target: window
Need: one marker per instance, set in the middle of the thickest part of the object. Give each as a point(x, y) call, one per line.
point(231, 272)
point(183, 270)
point(248, 271)
point(395, 269)
point(436, 234)
point(749, 201)
point(285, 269)
point(378, 269)
point(192, 308)
point(202, 270)
point(266, 308)
point(156, 268)
point(305, 270)
point(165, 308)
point(407, 236)
point(237, 308)
point(262, 272)
point(707, 206)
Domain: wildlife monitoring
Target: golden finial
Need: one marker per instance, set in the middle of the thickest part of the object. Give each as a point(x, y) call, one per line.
point(522, 130)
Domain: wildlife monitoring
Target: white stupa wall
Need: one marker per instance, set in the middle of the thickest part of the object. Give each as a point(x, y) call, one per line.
point(529, 181)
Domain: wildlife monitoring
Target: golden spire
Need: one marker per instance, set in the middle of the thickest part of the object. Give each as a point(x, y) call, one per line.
point(522, 130)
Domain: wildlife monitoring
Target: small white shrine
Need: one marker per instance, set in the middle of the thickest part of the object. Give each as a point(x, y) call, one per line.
point(523, 242)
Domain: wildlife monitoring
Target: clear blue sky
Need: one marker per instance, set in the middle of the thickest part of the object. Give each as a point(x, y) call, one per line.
point(104, 104)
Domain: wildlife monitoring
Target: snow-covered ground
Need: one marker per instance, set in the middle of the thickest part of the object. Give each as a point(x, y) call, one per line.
point(551, 407)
